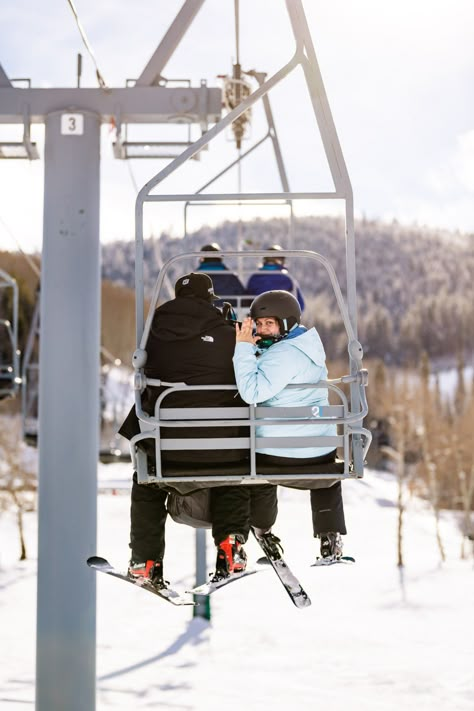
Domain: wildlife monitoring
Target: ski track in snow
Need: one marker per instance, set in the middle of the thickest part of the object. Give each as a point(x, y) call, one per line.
point(371, 640)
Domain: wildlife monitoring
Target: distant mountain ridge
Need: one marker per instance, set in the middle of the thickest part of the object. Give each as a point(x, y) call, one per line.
point(415, 285)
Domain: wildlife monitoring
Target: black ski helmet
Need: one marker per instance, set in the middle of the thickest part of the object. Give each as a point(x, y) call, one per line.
point(277, 304)
point(214, 247)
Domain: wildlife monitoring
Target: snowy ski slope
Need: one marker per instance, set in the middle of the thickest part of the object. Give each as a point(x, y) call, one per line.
point(370, 640)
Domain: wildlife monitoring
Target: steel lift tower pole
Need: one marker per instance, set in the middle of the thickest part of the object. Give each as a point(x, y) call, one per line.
point(68, 413)
point(70, 345)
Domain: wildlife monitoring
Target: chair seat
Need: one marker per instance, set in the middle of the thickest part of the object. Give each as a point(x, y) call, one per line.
point(294, 471)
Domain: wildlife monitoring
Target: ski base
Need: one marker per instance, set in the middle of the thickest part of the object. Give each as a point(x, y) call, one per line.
point(290, 582)
point(102, 565)
point(211, 587)
point(321, 562)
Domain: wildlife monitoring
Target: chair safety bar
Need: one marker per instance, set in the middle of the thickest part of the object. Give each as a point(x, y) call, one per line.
point(249, 417)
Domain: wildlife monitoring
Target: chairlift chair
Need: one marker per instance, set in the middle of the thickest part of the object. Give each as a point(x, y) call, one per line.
point(10, 379)
point(153, 427)
point(30, 378)
point(348, 414)
point(240, 302)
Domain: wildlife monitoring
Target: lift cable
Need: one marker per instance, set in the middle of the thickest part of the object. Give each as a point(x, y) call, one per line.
point(132, 176)
point(87, 44)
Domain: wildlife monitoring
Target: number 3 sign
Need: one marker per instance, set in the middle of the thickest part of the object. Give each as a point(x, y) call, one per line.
point(72, 124)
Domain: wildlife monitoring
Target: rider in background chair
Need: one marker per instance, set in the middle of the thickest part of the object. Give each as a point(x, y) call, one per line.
point(272, 276)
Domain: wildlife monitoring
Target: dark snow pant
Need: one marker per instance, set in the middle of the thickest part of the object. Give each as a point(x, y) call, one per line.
point(147, 522)
point(235, 508)
point(327, 508)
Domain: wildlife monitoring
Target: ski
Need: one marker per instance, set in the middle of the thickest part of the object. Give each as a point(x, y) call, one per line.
point(290, 582)
point(102, 565)
point(321, 562)
point(211, 586)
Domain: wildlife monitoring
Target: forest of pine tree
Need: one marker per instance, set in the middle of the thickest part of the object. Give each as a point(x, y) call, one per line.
point(415, 286)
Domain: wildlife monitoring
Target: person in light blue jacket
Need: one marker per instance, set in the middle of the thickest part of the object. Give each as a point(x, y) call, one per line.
point(283, 352)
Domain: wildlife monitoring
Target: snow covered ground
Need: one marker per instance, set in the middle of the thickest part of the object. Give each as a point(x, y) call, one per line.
point(370, 641)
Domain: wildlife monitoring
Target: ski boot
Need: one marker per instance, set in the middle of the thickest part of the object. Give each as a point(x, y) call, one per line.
point(231, 557)
point(151, 571)
point(269, 542)
point(331, 546)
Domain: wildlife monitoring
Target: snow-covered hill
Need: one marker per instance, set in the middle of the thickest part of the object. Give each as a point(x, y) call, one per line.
point(370, 640)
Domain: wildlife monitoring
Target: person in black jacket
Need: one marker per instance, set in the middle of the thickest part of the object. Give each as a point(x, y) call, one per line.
point(190, 341)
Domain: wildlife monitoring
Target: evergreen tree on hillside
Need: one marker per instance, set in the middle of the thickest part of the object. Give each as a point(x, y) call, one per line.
point(415, 287)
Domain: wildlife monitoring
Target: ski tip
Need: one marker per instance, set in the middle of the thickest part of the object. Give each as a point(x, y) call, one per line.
point(303, 604)
point(96, 560)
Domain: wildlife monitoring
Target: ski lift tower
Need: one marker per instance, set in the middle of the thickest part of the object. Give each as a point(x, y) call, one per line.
point(70, 339)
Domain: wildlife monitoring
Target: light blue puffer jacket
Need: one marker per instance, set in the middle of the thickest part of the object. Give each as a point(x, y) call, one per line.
point(299, 358)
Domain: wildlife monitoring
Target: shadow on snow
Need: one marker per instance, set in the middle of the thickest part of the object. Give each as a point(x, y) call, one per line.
point(192, 635)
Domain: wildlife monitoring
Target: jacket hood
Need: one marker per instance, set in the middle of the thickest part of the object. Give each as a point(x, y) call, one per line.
point(184, 318)
point(307, 341)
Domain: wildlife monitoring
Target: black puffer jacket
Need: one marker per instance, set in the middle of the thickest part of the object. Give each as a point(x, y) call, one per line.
point(190, 342)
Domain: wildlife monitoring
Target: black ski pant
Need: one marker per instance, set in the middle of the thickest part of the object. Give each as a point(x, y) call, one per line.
point(327, 508)
point(235, 508)
point(147, 522)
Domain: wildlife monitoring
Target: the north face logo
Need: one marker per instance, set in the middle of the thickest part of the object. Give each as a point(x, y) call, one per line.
point(207, 339)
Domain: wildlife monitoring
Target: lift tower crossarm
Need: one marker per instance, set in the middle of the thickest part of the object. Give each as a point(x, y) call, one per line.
point(152, 72)
point(144, 105)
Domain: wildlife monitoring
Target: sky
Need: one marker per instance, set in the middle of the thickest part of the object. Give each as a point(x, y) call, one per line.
point(398, 76)
point(372, 638)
